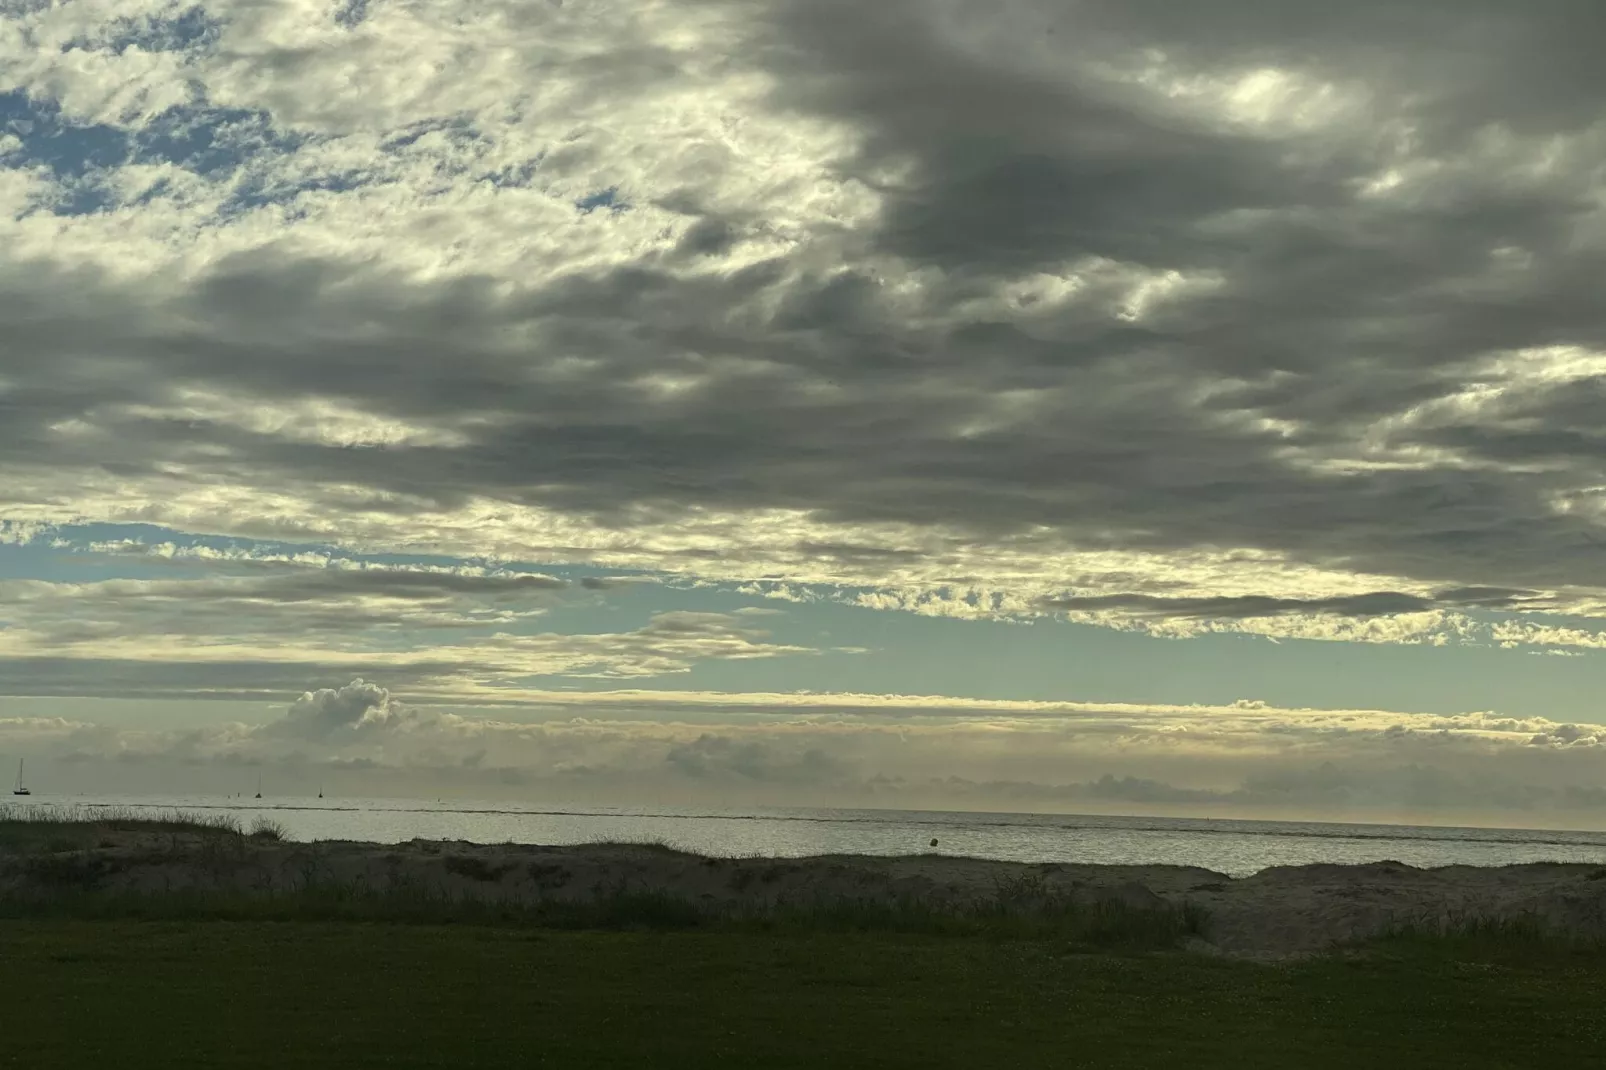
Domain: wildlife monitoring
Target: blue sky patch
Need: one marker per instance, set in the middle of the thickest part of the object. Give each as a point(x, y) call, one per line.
point(193, 28)
point(351, 13)
point(70, 150)
point(81, 157)
point(607, 198)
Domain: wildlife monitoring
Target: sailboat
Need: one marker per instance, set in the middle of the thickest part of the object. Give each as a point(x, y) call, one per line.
point(20, 789)
point(259, 785)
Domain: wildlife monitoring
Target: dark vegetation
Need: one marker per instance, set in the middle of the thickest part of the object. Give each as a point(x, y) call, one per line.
point(67, 878)
point(301, 994)
point(343, 976)
point(73, 893)
point(476, 868)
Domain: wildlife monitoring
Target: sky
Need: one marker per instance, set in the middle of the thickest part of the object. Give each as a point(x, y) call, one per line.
point(1037, 405)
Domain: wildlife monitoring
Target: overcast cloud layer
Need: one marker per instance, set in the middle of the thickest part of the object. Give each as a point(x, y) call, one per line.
point(1249, 317)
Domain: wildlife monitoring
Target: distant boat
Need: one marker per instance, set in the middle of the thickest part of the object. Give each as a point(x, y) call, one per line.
point(20, 789)
point(259, 785)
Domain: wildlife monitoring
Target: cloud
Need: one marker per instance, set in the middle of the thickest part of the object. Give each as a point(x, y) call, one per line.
point(1570, 735)
point(280, 622)
point(1249, 758)
point(1280, 314)
point(1374, 604)
point(723, 759)
point(294, 602)
point(357, 707)
point(16, 533)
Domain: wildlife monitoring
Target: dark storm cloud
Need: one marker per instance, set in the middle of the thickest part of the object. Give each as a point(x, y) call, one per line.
point(999, 145)
point(1532, 66)
point(1015, 170)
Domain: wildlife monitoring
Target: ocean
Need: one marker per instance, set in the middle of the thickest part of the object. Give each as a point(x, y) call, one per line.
point(1235, 847)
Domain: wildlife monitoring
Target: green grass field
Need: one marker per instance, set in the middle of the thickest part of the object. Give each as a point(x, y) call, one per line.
point(304, 994)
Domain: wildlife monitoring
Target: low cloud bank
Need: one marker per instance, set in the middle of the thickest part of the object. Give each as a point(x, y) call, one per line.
point(643, 747)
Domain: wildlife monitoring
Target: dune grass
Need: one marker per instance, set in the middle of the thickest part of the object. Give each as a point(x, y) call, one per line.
point(33, 824)
point(52, 847)
point(1514, 938)
point(66, 880)
point(263, 828)
point(235, 995)
point(35, 828)
point(69, 893)
point(127, 817)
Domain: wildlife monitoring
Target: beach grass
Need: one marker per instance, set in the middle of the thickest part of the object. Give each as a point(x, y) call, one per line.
point(258, 994)
point(1512, 938)
point(66, 889)
point(66, 878)
point(33, 828)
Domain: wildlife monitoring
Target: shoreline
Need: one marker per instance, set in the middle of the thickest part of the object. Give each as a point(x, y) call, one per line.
point(1274, 913)
point(1221, 847)
point(1196, 822)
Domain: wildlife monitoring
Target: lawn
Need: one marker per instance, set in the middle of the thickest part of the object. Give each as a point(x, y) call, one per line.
point(314, 994)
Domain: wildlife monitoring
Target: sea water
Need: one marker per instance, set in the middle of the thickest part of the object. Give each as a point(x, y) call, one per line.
point(1234, 847)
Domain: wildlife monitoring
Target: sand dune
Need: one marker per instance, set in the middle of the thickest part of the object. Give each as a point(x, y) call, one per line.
point(1274, 913)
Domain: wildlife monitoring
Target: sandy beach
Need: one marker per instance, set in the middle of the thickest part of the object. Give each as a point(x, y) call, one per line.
point(1276, 913)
